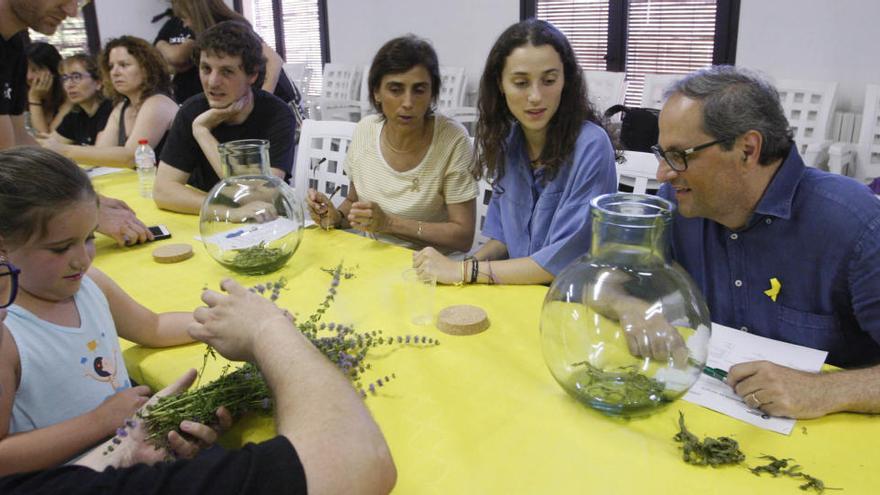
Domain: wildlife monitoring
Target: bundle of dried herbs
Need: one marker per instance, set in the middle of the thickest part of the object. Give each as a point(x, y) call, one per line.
point(245, 390)
point(258, 259)
point(779, 467)
point(713, 452)
point(624, 388)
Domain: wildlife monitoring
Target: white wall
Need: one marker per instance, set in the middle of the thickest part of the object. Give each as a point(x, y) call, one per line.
point(824, 40)
point(462, 31)
point(118, 17)
point(132, 17)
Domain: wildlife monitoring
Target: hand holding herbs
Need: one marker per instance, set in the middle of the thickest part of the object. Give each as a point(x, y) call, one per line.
point(217, 323)
point(245, 389)
point(130, 445)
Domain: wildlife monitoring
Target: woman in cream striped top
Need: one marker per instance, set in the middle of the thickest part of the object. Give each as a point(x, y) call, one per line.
point(409, 168)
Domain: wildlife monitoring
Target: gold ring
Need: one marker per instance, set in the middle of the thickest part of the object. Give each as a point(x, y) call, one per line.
point(754, 397)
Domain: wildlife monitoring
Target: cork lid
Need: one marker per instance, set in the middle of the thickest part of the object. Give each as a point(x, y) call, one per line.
point(172, 253)
point(462, 319)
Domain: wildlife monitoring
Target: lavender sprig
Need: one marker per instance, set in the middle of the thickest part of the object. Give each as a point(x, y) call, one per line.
point(245, 390)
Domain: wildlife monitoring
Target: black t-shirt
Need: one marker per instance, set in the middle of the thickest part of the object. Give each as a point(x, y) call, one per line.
point(272, 467)
point(13, 75)
point(186, 84)
point(81, 128)
point(270, 119)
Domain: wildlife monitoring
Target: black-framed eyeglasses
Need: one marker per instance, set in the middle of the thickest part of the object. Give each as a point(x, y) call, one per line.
point(73, 77)
point(677, 159)
point(8, 289)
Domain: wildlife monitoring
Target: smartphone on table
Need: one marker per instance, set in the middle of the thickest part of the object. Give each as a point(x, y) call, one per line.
point(159, 232)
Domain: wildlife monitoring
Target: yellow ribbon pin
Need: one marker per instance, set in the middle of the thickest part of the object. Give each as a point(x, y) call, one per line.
point(773, 291)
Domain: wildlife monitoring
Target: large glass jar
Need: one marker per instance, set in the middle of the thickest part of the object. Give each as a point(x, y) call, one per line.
point(251, 222)
point(624, 329)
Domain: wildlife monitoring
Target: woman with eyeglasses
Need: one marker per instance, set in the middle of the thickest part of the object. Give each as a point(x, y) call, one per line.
point(82, 83)
point(47, 103)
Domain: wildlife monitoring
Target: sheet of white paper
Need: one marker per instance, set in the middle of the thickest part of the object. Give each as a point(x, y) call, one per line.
point(99, 171)
point(728, 347)
point(252, 234)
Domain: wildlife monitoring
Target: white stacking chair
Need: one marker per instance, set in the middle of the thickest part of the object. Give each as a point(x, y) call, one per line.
point(340, 94)
point(639, 171)
point(299, 73)
point(483, 198)
point(605, 89)
point(809, 107)
point(320, 156)
point(861, 159)
point(655, 86)
point(452, 87)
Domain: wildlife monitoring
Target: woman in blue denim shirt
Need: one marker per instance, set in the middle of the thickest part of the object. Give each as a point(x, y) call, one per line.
point(546, 155)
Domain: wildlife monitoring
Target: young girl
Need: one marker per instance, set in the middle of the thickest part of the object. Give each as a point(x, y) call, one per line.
point(546, 155)
point(64, 380)
point(46, 100)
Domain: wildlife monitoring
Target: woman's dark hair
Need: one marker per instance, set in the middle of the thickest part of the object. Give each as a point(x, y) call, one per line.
point(203, 14)
point(400, 55)
point(234, 38)
point(153, 65)
point(496, 120)
point(45, 56)
point(36, 184)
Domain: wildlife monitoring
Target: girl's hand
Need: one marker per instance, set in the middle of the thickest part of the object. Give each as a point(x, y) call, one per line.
point(130, 445)
point(121, 405)
point(368, 217)
point(432, 262)
point(40, 86)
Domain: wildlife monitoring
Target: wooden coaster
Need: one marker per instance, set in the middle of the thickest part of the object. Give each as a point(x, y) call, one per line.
point(172, 253)
point(462, 319)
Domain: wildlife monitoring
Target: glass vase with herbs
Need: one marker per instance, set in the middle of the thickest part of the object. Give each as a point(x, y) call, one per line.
point(624, 329)
point(251, 222)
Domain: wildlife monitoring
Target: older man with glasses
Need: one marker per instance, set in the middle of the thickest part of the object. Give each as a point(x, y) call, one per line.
point(779, 250)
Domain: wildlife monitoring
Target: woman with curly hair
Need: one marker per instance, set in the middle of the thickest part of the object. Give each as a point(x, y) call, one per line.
point(136, 79)
point(46, 102)
point(540, 144)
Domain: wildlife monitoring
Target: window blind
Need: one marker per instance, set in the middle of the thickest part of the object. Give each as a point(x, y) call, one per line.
point(69, 38)
point(584, 23)
point(662, 36)
point(301, 34)
point(667, 37)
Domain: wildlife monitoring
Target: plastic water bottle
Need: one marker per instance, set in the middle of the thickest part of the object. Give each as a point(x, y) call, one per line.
point(145, 159)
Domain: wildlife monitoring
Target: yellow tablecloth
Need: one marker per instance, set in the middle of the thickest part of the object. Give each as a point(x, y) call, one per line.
point(478, 414)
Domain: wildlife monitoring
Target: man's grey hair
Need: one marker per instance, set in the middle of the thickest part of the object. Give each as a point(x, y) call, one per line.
point(735, 101)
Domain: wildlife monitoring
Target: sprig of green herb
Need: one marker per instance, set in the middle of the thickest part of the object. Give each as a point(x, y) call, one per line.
point(713, 452)
point(244, 390)
point(780, 467)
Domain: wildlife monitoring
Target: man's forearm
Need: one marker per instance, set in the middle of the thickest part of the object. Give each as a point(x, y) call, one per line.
point(853, 390)
point(306, 386)
point(178, 197)
point(208, 143)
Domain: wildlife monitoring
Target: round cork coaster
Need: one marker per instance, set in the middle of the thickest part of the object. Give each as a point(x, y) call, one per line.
point(462, 319)
point(172, 253)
